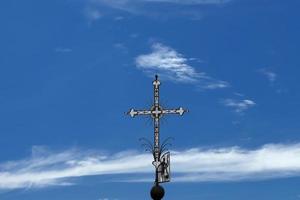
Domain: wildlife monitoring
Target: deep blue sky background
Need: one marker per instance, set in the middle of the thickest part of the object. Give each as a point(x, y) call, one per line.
point(67, 78)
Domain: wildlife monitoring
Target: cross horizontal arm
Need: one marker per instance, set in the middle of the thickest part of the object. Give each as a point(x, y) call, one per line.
point(179, 111)
point(133, 112)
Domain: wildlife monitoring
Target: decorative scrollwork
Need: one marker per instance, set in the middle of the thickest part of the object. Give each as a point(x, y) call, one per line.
point(165, 144)
point(147, 145)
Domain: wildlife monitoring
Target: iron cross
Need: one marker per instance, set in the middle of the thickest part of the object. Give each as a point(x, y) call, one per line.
point(156, 112)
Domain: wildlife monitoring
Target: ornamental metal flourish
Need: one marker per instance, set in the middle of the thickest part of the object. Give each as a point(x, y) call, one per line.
point(159, 151)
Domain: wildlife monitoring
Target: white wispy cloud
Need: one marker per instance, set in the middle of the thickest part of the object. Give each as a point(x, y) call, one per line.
point(270, 75)
point(196, 164)
point(124, 4)
point(191, 2)
point(239, 106)
point(92, 13)
point(170, 64)
point(63, 50)
point(153, 7)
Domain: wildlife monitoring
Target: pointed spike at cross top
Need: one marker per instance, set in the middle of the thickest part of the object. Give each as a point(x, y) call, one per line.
point(156, 112)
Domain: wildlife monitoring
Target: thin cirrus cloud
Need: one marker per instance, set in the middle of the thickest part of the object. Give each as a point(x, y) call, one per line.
point(238, 106)
point(192, 165)
point(170, 64)
point(159, 8)
point(63, 50)
point(92, 14)
point(270, 75)
point(191, 2)
point(126, 4)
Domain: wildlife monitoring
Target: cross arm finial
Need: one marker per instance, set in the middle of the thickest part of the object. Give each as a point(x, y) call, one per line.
point(132, 112)
point(179, 111)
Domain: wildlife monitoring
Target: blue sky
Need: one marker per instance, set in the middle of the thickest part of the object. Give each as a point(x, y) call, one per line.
point(69, 69)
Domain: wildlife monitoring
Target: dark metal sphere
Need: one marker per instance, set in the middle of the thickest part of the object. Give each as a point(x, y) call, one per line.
point(157, 192)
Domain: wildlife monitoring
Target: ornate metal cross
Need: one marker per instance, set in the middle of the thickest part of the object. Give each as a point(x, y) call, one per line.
point(156, 112)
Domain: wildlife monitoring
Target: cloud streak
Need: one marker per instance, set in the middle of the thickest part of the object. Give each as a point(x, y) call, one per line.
point(92, 14)
point(122, 4)
point(153, 8)
point(271, 76)
point(170, 64)
point(192, 165)
point(239, 106)
point(191, 2)
point(63, 50)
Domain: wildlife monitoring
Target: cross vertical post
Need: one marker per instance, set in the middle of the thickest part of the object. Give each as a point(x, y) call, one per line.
point(156, 112)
